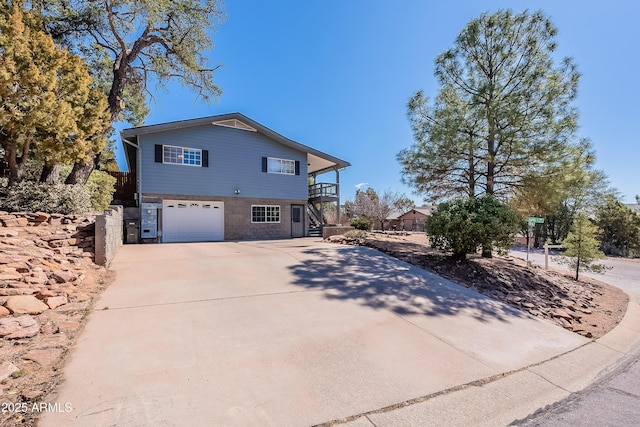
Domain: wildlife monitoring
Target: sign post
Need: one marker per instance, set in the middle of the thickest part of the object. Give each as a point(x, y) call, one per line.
point(533, 220)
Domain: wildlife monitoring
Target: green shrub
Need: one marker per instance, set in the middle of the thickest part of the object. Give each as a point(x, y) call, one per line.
point(59, 198)
point(101, 186)
point(356, 234)
point(362, 224)
point(461, 226)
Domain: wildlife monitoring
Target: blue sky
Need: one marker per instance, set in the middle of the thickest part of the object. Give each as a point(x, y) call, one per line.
point(336, 75)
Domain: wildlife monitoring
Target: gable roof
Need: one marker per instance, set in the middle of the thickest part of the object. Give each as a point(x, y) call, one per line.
point(424, 210)
point(319, 162)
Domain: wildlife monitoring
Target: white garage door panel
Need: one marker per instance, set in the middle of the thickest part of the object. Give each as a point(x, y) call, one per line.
point(192, 221)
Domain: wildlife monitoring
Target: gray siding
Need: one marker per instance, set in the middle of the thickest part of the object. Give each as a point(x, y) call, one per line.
point(235, 162)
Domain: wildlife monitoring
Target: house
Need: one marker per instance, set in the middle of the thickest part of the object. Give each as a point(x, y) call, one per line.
point(227, 177)
point(414, 219)
point(389, 222)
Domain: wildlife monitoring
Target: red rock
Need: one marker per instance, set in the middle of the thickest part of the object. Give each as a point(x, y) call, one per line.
point(46, 329)
point(32, 395)
point(10, 275)
point(25, 304)
point(564, 323)
point(63, 276)
point(6, 369)
point(42, 217)
point(44, 294)
point(20, 267)
point(558, 312)
point(67, 326)
point(15, 222)
point(4, 312)
point(9, 292)
point(55, 221)
point(18, 327)
point(54, 302)
point(36, 278)
point(43, 357)
point(61, 243)
point(18, 285)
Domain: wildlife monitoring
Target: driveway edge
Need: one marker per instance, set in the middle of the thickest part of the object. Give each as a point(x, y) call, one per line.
point(506, 398)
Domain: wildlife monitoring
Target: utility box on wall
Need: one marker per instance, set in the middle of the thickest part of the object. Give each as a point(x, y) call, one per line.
point(149, 221)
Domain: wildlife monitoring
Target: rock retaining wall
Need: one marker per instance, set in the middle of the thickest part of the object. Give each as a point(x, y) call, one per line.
point(42, 262)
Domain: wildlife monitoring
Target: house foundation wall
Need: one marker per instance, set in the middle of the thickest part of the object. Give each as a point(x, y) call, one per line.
point(237, 215)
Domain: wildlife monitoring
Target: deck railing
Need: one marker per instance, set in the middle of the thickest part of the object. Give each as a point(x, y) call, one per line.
point(323, 190)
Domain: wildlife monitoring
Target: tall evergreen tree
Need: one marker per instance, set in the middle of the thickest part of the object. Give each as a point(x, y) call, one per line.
point(49, 110)
point(504, 110)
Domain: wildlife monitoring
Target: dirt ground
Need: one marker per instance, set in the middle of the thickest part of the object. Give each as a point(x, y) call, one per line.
point(588, 307)
point(41, 358)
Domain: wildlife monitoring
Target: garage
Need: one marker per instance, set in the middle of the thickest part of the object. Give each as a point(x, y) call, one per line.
point(192, 221)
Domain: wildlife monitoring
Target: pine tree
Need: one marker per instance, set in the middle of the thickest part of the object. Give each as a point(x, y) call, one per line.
point(504, 110)
point(582, 247)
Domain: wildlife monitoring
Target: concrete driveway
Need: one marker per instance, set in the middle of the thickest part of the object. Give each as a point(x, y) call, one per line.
point(283, 333)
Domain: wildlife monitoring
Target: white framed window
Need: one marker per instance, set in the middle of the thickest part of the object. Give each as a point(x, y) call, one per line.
point(265, 213)
point(283, 166)
point(181, 155)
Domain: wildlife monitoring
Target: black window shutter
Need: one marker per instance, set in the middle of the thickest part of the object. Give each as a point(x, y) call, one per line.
point(158, 153)
point(264, 164)
point(297, 167)
point(205, 158)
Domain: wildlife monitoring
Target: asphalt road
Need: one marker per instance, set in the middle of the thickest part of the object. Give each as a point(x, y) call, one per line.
point(625, 274)
point(614, 399)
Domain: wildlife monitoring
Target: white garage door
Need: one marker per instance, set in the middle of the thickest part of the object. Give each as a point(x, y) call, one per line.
point(192, 221)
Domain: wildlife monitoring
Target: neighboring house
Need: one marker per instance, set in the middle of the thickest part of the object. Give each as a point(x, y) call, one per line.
point(414, 219)
point(389, 222)
point(226, 177)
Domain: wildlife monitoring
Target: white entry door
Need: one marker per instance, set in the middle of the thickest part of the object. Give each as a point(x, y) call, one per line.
point(192, 221)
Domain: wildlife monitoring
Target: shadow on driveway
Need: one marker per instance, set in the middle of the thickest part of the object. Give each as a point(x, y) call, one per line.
point(382, 282)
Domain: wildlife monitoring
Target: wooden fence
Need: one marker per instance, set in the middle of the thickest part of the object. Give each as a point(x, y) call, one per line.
point(125, 186)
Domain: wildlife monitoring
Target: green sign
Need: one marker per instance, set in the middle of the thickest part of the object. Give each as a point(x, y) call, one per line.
point(535, 220)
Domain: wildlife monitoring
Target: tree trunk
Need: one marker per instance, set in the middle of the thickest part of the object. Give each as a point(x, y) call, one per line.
point(486, 251)
point(16, 165)
point(82, 170)
point(471, 182)
point(50, 174)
